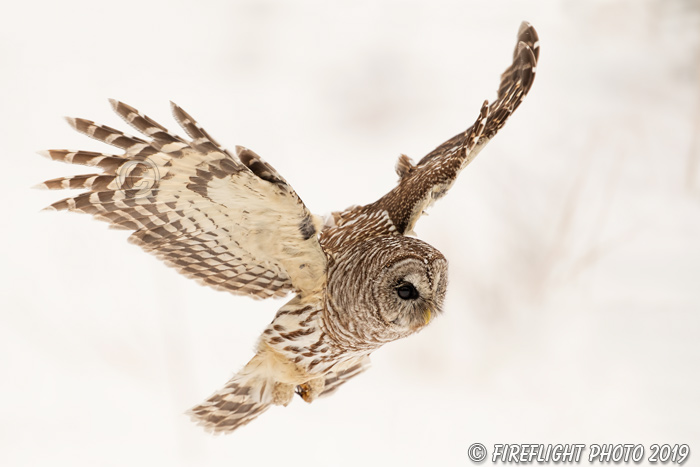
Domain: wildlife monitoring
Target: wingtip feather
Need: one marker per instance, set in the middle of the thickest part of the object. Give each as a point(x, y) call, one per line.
point(528, 34)
point(524, 26)
point(176, 110)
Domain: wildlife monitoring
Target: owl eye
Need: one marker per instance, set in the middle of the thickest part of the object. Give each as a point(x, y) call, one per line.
point(407, 292)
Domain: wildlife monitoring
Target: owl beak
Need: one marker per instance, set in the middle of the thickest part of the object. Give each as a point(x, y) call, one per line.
point(427, 314)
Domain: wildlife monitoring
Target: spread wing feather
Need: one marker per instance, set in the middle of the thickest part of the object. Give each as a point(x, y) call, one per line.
point(228, 220)
point(515, 83)
point(422, 184)
point(429, 180)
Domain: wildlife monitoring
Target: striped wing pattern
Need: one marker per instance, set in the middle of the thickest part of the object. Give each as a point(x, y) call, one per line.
point(515, 83)
point(422, 184)
point(228, 220)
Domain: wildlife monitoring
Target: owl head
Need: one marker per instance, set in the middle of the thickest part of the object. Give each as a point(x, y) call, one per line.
point(385, 288)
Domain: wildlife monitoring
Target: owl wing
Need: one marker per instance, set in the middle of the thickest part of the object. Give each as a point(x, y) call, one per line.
point(228, 220)
point(421, 184)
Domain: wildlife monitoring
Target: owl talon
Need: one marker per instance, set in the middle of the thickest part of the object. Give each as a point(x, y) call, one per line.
point(311, 389)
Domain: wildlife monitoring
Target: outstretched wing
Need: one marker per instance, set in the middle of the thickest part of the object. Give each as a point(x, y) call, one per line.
point(516, 82)
point(423, 183)
point(227, 220)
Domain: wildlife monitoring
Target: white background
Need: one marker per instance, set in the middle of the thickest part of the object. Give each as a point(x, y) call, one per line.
point(573, 312)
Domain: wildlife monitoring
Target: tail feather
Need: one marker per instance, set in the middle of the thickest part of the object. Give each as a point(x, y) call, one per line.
point(236, 404)
point(248, 394)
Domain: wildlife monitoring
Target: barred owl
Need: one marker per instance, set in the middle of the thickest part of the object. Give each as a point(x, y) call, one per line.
point(230, 221)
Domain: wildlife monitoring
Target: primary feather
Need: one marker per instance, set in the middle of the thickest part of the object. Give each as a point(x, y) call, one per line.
point(227, 220)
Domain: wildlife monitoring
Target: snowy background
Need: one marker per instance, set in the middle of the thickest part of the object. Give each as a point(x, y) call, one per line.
point(573, 313)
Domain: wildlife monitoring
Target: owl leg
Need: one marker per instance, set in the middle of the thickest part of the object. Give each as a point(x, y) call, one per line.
point(311, 389)
point(282, 394)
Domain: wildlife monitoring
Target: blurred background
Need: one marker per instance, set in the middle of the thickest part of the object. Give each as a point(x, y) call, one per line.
point(573, 312)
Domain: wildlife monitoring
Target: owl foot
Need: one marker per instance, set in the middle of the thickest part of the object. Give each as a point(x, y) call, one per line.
point(311, 389)
point(282, 394)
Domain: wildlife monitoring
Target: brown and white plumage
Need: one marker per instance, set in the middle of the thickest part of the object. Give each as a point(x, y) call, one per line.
point(422, 184)
point(230, 221)
point(210, 214)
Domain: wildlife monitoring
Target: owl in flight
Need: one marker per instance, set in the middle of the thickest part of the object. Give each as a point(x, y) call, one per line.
point(230, 221)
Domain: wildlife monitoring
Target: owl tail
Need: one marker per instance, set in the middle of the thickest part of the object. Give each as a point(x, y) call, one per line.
point(248, 394)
